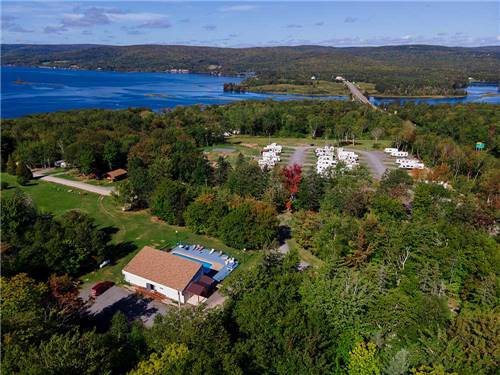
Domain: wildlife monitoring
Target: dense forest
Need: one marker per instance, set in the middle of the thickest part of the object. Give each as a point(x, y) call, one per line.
point(395, 70)
point(408, 281)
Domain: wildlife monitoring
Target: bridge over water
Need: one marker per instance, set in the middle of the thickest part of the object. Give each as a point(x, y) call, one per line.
point(355, 92)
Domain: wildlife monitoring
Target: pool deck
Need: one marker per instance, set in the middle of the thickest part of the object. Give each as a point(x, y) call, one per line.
point(216, 258)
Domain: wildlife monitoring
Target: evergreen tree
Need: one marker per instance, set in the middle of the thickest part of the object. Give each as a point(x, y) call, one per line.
point(11, 166)
point(221, 171)
point(23, 174)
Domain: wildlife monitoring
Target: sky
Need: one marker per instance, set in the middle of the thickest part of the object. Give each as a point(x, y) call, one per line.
point(255, 23)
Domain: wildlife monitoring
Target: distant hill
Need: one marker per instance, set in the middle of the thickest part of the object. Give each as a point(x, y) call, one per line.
point(399, 70)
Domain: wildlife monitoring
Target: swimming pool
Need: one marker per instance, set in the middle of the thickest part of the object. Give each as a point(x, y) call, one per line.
point(205, 264)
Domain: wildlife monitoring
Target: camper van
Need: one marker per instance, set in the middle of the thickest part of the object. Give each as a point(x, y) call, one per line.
point(390, 150)
point(399, 154)
point(411, 164)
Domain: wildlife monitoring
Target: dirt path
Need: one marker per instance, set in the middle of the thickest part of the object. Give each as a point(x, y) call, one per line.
point(299, 155)
point(375, 161)
point(101, 190)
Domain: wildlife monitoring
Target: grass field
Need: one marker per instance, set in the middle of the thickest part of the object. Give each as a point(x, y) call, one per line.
point(320, 88)
point(230, 152)
point(130, 231)
point(74, 176)
point(364, 144)
point(316, 88)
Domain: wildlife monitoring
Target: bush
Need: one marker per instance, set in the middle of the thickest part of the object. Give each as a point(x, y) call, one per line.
point(23, 174)
point(4, 185)
point(205, 214)
point(11, 166)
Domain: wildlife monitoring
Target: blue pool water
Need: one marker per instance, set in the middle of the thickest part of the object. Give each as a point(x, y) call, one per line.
point(204, 264)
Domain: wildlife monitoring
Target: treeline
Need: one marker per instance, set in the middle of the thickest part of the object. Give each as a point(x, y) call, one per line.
point(96, 141)
point(395, 70)
point(445, 136)
point(40, 244)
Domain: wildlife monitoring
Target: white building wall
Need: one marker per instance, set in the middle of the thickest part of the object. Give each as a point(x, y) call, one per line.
point(171, 293)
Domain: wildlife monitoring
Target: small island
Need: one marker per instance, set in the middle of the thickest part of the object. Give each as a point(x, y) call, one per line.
point(21, 82)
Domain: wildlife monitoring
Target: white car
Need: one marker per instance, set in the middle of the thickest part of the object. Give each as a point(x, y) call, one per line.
point(105, 263)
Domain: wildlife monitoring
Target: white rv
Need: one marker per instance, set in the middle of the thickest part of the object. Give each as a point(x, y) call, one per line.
point(411, 164)
point(390, 150)
point(399, 154)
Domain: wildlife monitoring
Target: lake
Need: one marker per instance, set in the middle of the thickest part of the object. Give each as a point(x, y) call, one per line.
point(40, 90)
point(476, 93)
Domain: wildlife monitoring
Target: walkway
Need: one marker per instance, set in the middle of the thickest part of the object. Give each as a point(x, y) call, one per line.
point(101, 190)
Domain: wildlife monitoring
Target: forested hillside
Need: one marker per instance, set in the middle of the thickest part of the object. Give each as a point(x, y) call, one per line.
point(406, 272)
point(399, 70)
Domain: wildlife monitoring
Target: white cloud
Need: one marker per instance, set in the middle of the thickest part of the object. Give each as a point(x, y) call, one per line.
point(238, 8)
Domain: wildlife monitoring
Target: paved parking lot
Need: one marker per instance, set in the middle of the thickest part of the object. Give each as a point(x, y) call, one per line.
point(118, 298)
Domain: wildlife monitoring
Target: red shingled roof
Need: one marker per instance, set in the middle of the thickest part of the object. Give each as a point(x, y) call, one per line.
point(163, 268)
point(116, 173)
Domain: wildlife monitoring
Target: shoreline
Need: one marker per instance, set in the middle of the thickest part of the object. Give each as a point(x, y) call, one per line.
point(77, 69)
point(378, 96)
point(418, 97)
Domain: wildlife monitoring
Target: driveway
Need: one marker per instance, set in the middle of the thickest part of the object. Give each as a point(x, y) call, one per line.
point(116, 298)
point(101, 190)
point(375, 161)
point(299, 156)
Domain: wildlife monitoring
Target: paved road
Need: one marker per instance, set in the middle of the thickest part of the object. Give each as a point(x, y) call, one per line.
point(298, 156)
point(375, 160)
point(101, 190)
point(357, 94)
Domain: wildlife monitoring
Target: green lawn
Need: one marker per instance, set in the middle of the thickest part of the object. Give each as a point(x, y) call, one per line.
point(322, 88)
point(316, 88)
point(213, 152)
point(367, 144)
point(73, 176)
point(305, 255)
point(130, 230)
point(363, 144)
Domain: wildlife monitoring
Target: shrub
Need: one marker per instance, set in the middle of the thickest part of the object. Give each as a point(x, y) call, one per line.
point(23, 174)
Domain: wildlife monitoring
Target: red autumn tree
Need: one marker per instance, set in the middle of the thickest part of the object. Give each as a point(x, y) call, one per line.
point(293, 176)
point(65, 297)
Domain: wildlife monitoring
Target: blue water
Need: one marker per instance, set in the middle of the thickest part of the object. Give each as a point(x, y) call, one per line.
point(475, 94)
point(48, 90)
point(205, 264)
